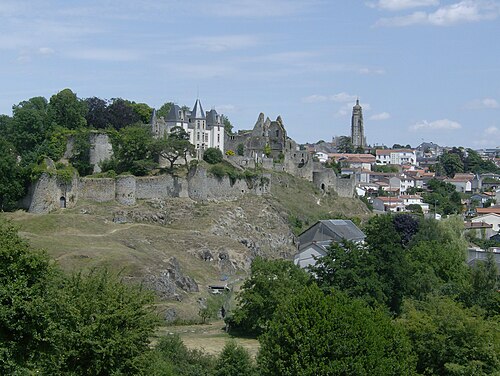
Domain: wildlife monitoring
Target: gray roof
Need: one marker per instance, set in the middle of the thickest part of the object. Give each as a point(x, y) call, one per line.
point(173, 114)
point(197, 112)
point(211, 117)
point(331, 230)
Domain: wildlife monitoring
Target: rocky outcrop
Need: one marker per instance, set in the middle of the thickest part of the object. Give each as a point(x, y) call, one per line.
point(171, 283)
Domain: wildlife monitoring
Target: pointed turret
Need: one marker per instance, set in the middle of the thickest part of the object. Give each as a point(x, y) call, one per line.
point(197, 112)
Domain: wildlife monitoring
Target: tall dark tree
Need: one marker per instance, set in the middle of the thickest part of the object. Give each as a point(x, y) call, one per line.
point(122, 113)
point(344, 145)
point(97, 113)
point(132, 147)
point(11, 177)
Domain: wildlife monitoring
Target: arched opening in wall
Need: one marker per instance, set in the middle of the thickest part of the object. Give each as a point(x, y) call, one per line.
point(62, 202)
point(301, 163)
point(323, 187)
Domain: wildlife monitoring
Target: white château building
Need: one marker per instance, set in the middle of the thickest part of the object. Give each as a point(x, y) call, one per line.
point(206, 130)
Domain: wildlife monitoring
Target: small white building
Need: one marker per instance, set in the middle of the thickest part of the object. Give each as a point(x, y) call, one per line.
point(492, 219)
point(395, 157)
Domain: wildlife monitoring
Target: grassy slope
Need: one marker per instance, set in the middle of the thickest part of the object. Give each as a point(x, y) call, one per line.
point(86, 236)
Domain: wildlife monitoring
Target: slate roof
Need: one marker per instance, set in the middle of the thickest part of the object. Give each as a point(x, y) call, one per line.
point(331, 230)
point(197, 112)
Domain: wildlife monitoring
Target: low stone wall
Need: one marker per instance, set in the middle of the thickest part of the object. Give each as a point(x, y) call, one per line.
point(345, 187)
point(125, 190)
point(97, 189)
point(163, 186)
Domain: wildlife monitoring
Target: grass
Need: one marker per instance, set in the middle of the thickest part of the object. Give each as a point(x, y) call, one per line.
point(210, 338)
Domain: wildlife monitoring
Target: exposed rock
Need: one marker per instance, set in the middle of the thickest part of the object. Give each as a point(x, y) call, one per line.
point(170, 315)
point(168, 283)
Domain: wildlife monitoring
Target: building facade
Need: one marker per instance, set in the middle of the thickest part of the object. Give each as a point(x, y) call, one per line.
point(206, 130)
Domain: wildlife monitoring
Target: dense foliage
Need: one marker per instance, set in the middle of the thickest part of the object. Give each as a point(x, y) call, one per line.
point(50, 323)
point(316, 334)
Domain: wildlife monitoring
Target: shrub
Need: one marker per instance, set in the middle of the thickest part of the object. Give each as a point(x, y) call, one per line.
point(213, 156)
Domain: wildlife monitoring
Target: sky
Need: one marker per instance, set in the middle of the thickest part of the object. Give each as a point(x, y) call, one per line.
point(423, 70)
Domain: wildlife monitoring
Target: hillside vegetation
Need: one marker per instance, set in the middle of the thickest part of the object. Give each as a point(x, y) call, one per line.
point(210, 241)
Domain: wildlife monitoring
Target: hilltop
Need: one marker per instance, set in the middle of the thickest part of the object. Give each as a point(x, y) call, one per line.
point(179, 246)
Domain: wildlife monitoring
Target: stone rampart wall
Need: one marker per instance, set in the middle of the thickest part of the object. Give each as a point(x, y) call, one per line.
point(97, 189)
point(163, 186)
point(100, 149)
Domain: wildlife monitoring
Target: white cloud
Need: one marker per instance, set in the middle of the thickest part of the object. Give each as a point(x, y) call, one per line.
point(224, 108)
point(103, 54)
point(371, 71)
point(461, 12)
point(381, 116)
point(443, 124)
point(478, 104)
point(395, 5)
point(339, 98)
point(45, 51)
point(224, 42)
point(492, 131)
point(255, 8)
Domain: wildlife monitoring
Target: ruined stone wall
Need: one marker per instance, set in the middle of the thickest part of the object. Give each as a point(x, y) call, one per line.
point(345, 187)
point(49, 193)
point(203, 186)
point(100, 149)
point(97, 189)
point(125, 190)
point(163, 186)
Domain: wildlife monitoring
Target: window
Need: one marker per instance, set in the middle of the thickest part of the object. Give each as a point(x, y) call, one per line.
point(218, 138)
point(197, 136)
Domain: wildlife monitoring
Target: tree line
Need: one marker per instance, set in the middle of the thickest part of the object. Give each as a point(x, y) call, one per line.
point(403, 303)
point(40, 128)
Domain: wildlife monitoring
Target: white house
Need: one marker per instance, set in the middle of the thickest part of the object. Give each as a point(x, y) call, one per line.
point(492, 219)
point(415, 200)
point(396, 156)
point(322, 157)
point(206, 130)
point(388, 204)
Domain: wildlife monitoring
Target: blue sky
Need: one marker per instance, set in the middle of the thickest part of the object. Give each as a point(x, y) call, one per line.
point(424, 70)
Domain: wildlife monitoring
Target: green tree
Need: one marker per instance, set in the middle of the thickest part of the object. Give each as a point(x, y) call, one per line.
point(143, 111)
point(97, 113)
point(30, 125)
point(240, 149)
point(173, 146)
point(386, 245)
point(451, 340)
point(81, 152)
point(122, 114)
point(66, 110)
point(12, 177)
point(228, 127)
point(267, 150)
point(349, 267)
point(344, 145)
point(132, 147)
point(316, 334)
point(213, 156)
point(484, 286)
point(171, 357)
point(452, 163)
point(164, 110)
point(100, 326)
point(25, 277)
point(269, 283)
point(234, 360)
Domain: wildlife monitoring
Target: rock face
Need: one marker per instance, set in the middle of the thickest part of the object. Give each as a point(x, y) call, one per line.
point(171, 283)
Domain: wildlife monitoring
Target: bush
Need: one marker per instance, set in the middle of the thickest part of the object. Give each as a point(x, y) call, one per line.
point(230, 153)
point(213, 156)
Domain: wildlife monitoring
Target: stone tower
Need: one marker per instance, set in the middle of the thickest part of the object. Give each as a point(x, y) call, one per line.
point(357, 129)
